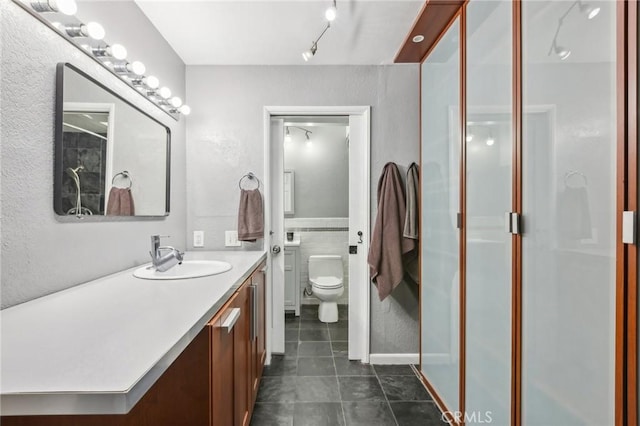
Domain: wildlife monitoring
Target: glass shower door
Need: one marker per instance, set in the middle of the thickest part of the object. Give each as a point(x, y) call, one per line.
point(440, 295)
point(569, 188)
point(489, 141)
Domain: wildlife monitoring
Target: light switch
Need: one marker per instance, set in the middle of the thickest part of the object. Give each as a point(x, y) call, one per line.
point(231, 239)
point(198, 238)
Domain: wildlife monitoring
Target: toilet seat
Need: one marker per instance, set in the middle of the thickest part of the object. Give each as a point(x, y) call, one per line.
point(326, 282)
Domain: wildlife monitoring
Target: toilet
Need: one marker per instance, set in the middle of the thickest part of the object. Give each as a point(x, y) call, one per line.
point(326, 279)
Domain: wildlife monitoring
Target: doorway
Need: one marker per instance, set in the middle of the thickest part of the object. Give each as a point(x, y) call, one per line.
point(280, 197)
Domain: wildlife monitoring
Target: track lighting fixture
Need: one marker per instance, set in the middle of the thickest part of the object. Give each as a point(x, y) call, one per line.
point(92, 30)
point(67, 7)
point(331, 12)
point(585, 8)
point(562, 52)
point(116, 51)
point(88, 38)
point(314, 45)
point(589, 10)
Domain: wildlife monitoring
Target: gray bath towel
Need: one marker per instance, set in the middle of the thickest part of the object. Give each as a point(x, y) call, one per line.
point(412, 218)
point(388, 245)
point(412, 222)
point(250, 215)
point(120, 202)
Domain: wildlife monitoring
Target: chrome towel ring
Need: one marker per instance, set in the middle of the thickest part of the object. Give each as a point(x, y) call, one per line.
point(251, 177)
point(125, 175)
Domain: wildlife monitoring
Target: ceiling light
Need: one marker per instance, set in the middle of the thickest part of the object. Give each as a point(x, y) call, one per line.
point(68, 7)
point(331, 12)
point(589, 10)
point(562, 52)
point(185, 110)
point(490, 141)
point(311, 52)
point(469, 138)
point(418, 39)
point(165, 92)
point(314, 45)
point(175, 102)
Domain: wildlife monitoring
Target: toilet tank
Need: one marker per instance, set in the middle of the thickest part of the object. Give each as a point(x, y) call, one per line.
point(325, 266)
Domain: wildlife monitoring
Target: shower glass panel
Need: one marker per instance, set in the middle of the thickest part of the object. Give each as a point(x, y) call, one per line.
point(440, 295)
point(489, 141)
point(569, 189)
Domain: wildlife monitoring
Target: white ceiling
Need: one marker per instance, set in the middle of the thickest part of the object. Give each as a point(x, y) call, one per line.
point(269, 32)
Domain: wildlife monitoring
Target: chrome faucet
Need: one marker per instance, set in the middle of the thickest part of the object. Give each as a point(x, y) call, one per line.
point(167, 261)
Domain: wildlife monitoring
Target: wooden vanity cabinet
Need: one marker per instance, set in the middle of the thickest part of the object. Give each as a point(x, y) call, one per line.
point(213, 382)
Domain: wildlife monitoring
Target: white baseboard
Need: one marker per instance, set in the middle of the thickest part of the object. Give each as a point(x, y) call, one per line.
point(394, 358)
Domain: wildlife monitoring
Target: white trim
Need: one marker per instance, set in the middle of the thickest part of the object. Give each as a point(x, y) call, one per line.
point(359, 346)
point(403, 359)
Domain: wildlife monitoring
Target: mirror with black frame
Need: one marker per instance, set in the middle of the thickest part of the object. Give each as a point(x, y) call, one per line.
point(111, 159)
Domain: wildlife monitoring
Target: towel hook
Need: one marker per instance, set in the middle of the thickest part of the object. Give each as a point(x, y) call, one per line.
point(249, 176)
point(125, 174)
point(571, 174)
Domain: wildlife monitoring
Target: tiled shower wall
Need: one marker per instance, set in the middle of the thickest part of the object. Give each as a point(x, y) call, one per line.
point(321, 236)
point(89, 151)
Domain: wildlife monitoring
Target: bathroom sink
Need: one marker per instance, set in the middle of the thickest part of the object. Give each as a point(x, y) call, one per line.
point(188, 269)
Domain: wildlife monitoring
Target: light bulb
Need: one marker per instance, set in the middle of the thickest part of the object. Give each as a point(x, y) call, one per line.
point(593, 13)
point(184, 110)
point(490, 141)
point(138, 68)
point(118, 51)
point(165, 92)
point(331, 13)
point(307, 55)
point(563, 53)
point(68, 7)
point(469, 138)
point(152, 82)
point(95, 30)
point(175, 102)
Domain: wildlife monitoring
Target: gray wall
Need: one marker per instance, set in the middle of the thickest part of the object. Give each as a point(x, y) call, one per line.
point(321, 171)
point(43, 253)
point(225, 140)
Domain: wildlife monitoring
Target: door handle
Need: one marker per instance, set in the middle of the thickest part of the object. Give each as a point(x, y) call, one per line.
point(231, 319)
point(254, 297)
point(275, 249)
point(360, 237)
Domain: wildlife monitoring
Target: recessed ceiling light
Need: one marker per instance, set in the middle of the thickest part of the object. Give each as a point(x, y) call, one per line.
point(418, 39)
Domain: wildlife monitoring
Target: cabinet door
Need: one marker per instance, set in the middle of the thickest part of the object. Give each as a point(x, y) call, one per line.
point(258, 347)
point(221, 331)
point(241, 355)
point(261, 321)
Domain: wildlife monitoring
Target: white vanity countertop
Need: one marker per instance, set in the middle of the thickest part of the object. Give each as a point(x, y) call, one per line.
point(96, 348)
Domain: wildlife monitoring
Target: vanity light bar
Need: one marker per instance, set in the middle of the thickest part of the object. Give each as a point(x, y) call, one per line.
point(113, 57)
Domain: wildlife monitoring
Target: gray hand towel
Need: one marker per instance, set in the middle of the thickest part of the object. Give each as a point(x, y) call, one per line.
point(387, 242)
point(250, 216)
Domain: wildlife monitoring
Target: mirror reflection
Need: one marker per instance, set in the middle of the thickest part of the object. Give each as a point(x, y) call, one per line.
point(111, 158)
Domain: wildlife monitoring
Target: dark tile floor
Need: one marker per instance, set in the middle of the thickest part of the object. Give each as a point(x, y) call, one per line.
point(315, 384)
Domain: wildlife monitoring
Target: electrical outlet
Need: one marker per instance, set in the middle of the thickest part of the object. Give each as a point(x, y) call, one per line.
point(198, 238)
point(231, 239)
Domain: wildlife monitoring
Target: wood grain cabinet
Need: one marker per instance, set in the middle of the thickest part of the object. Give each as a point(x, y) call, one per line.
point(214, 381)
